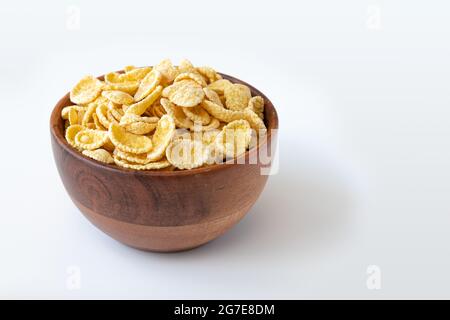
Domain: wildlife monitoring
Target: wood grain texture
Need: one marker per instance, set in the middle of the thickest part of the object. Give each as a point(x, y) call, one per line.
point(159, 210)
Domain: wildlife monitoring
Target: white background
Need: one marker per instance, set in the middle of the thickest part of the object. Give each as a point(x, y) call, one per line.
point(362, 92)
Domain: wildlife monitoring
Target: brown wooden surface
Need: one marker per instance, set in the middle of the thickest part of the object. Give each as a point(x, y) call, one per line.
point(159, 210)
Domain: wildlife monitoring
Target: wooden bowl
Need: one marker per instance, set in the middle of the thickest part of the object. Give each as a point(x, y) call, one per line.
point(160, 211)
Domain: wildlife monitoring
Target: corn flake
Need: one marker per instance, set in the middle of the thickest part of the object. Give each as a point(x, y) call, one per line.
point(131, 157)
point(256, 104)
point(149, 166)
point(177, 114)
point(136, 74)
point(118, 97)
point(127, 141)
point(162, 137)
point(237, 96)
point(100, 155)
point(209, 73)
point(88, 114)
point(167, 70)
point(90, 139)
point(86, 90)
point(219, 86)
point(140, 107)
point(191, 76)
point(128, 87)
point(197, 114)
point(71, 132)
point(186, 93)
point(139, 127)
point(212, 96)
point(228, 115)
point(148, 84)
point(73, 117)
point(186, 66)
point(65, 111)
point(186, 154)
point(234, 138)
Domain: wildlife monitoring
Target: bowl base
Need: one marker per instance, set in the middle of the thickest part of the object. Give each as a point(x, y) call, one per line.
point(162, 239)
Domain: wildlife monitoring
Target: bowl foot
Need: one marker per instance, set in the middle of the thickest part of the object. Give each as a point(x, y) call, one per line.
point(162, 239)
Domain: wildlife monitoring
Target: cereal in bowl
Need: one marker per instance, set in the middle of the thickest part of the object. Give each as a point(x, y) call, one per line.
point(162, 118)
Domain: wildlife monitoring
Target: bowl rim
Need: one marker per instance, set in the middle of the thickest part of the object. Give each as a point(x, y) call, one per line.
point(56, 122)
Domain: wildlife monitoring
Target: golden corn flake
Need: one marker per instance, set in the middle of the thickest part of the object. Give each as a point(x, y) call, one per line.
point(176, 112)
point(100, 155)
point(116, 113)
point(71, 132)
point(102, 115)
point(129, 68)
point(148, 84)
point(234, 138)
point(131, 157)
point(186, 93)
point(131, 118)
point(127, 141)
point(186, 154)
point(162, 137)
point(86, 90)
point(128, 87)
point(149, 166)
point(208, 137)
point(158, 110)
point(214, 124)
point(167, 91)
point(191, 76)
point(88, 114)
point(226, 115)
point(237, 96)
point(80, 116)
point(139, 127)
point(97, 123)
point(140, 107)
point(65, 111)
point(222, 99)
point(255, 121)
point(118, 97)
point(209, 73)
point(212, 96)
point(73, 117)
point(101, 99)
point(136, 74)
point(167, 70)
point(113, 77)
point(111, 105)
point(89, 139)
point(256, 104)
point(219, 86)
point(197, 114)
point(186, 66)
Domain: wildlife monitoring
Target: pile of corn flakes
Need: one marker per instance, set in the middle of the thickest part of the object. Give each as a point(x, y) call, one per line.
point(173, 117)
